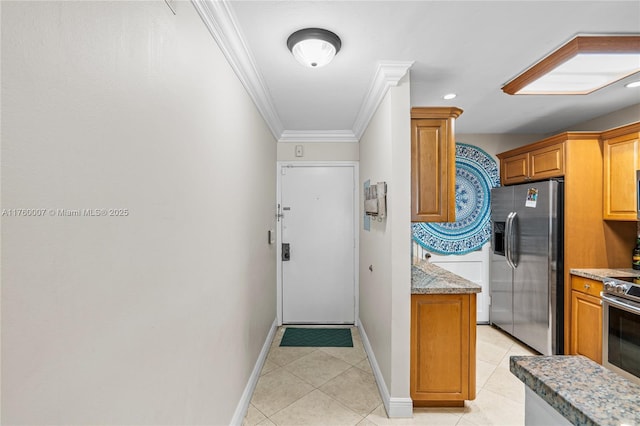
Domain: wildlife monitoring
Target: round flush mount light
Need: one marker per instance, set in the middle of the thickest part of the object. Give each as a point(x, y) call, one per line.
point(314, 47)
point(449, 96)
point(633, 84)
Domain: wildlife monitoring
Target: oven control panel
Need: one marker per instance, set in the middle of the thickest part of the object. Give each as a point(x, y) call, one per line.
point(614, 287)
point(626, 287)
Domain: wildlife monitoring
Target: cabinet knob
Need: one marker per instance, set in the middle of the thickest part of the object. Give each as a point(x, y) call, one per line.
point(587, 286)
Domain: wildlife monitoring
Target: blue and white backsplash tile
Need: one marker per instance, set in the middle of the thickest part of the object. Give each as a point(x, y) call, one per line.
point(476, 173)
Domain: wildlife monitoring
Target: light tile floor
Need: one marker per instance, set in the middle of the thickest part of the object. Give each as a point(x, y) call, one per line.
point(335, 386)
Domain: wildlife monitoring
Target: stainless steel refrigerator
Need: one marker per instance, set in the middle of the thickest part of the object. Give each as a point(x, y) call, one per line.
point(527, 265)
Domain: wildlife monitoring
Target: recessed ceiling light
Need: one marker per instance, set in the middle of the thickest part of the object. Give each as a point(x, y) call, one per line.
point(314, 47)
point(633, 84)
point(581, 66)
point(449, 96)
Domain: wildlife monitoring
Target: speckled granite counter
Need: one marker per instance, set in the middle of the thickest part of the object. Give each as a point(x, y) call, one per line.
point(599, 274)
point(584, 392)
point(427, 278)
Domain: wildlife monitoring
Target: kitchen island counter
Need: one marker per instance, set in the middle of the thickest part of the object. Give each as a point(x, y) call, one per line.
point(582, 391)
point(427, 278)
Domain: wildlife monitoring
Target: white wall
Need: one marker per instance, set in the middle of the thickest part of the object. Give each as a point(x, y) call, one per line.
point(385, 293)
point(617, 118)
point(494, 144)
point(156, 317)
point(319, 151)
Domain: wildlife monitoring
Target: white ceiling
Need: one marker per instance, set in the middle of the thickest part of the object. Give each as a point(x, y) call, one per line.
point(468, 47)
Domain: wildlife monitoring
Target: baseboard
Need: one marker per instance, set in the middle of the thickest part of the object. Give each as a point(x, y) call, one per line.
point(243, 404)
point(395, 407)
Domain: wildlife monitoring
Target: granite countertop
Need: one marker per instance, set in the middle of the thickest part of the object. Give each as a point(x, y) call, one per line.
point(584, 392)
point(599, 274)
point(427, 278)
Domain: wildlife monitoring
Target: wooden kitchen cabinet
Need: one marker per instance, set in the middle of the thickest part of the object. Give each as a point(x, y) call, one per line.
point(542, 160)
point(433, 164)
point(621, 154)
point(514, 169)
point(586, 318)
point(443, 349)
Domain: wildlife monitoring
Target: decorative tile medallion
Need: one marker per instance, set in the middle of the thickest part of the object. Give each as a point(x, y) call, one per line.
point(476, 173)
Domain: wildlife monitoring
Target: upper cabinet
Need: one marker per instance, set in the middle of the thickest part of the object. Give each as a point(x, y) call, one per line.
point(541, 160)
point(433, 164)
point(621, 160)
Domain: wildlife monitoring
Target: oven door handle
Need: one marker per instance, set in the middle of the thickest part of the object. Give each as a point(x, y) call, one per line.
point(614, 301)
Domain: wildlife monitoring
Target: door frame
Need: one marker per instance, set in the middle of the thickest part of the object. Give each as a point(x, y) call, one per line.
point(356, 227)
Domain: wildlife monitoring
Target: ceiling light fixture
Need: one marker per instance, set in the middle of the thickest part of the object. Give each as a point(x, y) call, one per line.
point(579, 67)
point(449, 96)
point(314, 47)
point(633, 84)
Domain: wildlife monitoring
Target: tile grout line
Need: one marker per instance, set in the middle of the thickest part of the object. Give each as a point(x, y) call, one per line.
point(284, 368)
point(469, 412)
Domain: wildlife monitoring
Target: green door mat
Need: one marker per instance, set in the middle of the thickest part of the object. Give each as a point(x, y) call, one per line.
point(337, 337)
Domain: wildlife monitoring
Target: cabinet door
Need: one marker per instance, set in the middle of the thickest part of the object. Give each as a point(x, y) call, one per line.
point(432, 171)
point(514, 169)
point(620, 165)
point(442, 348)
point(546, 162)
point(586, 326)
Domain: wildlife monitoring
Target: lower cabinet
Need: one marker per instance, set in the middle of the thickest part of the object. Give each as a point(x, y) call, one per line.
point(443, 349)
point(586, 318)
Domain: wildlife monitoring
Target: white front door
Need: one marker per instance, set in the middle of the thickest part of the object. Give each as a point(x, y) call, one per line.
point(318, 224)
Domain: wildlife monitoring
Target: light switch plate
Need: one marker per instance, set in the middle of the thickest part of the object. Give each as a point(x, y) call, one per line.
point(271, 236)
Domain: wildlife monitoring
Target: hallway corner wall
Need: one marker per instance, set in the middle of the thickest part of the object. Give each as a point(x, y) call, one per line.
point(141, 287)
point(318, 151)
point(385, 291)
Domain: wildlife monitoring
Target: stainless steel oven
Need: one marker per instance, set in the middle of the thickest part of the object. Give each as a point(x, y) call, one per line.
point(621, 326)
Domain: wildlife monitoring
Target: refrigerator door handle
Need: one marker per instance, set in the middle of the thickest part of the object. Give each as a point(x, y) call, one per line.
point(509, 240)
point(507, 231)
point(512, 240)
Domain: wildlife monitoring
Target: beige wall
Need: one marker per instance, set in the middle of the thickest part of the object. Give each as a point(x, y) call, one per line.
point(319, 151)
point(156, 317)
point(385, 293)
point(496, 143)
point(609, 121)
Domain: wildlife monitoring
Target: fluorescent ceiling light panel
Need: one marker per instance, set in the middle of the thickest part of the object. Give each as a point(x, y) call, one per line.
point(583, 65)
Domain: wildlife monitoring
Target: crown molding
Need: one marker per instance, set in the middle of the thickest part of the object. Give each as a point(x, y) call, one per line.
point(318, 136)
point(221, 23)
point(219, 19)
point(387, 75)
